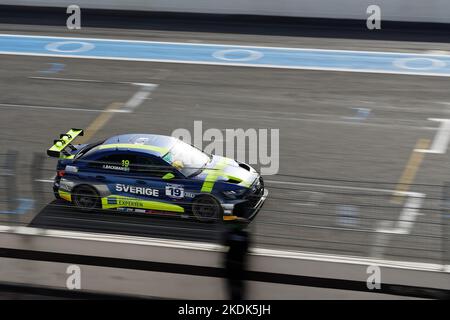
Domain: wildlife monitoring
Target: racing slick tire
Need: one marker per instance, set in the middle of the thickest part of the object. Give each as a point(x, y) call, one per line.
point(86, 198)
point(207, 209)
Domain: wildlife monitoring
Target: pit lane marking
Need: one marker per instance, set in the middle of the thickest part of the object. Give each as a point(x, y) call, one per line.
point(99, 122)
point(408, 216)
point(214, 54)
point(137, 99)
point(384, 232)
point(409, 212)
point(403, 225)
point(83, 46)
point(410, 171)
point(129, 106)
point(441, 140)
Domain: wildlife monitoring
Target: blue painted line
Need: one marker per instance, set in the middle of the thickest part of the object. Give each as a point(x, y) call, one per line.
point(24, 206)
point(361, 114)
point(54, 68)
point(347, 215)
point(290, 58)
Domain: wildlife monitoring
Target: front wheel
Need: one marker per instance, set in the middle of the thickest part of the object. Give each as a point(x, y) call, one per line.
point(206, 208)
point(86, 198)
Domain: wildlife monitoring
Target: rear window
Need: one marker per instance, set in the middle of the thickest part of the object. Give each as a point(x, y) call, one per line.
point(88, 148)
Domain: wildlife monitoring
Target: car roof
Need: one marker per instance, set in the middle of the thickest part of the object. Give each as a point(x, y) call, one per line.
point(154, 144)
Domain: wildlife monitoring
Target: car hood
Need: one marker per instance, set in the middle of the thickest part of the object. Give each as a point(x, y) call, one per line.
point(229, 170)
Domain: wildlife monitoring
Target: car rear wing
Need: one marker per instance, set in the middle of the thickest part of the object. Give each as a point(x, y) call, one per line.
point(59, 146)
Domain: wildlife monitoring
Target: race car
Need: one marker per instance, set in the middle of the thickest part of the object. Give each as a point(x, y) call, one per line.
point(154, 174)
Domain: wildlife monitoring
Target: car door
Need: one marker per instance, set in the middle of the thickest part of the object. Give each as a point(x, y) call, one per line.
point(154, 173)
point(147, 177)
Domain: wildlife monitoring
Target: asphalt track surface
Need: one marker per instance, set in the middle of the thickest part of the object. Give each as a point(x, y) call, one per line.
point(339, 165)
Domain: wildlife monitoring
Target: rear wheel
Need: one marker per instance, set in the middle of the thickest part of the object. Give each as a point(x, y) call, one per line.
point(86, 198)
point(206, 208)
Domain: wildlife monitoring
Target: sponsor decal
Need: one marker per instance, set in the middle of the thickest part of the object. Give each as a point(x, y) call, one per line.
point(130, 203)
point(137, 190)
point(189, 194)
point(65, 186)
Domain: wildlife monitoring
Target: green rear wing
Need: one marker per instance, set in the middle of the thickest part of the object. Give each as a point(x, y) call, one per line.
point(58, 149)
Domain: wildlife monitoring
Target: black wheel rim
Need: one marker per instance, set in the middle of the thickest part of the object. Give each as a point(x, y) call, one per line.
point(86, 198)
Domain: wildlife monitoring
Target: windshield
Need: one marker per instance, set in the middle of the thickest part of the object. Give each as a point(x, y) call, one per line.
point(187, 159)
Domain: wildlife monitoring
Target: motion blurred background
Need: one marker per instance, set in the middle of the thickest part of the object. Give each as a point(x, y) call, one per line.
point(363, 120)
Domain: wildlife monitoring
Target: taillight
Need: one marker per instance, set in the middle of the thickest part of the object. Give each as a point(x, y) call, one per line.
point(60, 173)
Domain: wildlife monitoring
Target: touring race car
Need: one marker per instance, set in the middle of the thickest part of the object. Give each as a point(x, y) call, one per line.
point(154, 174)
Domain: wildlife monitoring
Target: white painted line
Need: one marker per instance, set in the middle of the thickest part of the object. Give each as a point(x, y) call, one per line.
point(312, 201)
point(110, 238)
point(381, 239)
point(44, 180)
point(403, 225)
point(90, 80)
point(441, 139)
point(337, 122)
point(118, 111)
point(407, 217)
point(438, 52)
point(62, 56)
point(148, 85)
point(66, 79)
point(347, 259)
point(139, 97)
point(23, 106)
point(408, 193)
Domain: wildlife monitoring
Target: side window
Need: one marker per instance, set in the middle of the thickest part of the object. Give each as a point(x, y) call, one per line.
point(115, 162)
point(149, 166)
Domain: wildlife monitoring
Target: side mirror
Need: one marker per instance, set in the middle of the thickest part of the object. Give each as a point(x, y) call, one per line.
point(168, 176)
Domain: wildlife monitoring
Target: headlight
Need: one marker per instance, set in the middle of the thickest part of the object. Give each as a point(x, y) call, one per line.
point(234, 194)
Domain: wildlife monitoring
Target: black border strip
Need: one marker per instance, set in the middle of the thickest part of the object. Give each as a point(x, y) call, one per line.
point(229, 23)
point(53, 293)
point(269, 277)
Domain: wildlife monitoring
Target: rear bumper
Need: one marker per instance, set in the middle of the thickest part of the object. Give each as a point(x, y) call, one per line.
point(56, 188)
